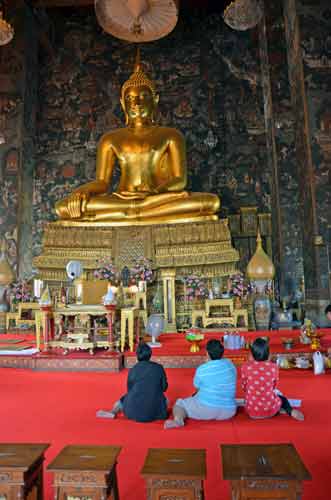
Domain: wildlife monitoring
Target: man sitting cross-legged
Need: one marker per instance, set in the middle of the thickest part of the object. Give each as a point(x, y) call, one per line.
point(215, 382)
point(145, 400)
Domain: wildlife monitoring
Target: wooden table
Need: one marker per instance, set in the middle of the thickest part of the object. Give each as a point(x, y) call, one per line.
point(264, 471)
point(86, 472)
point(175, 473)
point(21, 470)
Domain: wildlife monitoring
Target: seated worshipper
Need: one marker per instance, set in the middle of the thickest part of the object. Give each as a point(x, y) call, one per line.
point(144, 401)
point(328, 312)
point(215, 382)
point(259, 378)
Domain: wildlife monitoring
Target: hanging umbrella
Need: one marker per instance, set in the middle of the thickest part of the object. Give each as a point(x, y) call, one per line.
point(137, 20)
point(243, 14)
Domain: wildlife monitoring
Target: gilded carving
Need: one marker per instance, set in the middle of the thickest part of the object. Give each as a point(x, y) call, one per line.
point(204, 248)
point(70, 497)
point(69, 477)
point(5, 476)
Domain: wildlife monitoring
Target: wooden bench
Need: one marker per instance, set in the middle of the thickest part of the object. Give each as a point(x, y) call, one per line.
point(264, 471)
point(86, 472)
point(21, 470)
point(175, 473)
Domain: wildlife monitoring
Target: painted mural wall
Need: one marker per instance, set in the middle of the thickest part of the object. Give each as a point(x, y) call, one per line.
point(316, 44)
point(208, 79)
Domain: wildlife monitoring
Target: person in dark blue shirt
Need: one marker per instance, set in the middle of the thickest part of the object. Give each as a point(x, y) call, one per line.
point(145, 400)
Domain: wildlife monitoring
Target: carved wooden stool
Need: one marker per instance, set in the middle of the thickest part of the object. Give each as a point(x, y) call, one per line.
point(264, 471)
point(87, 472)
point(21, 470)
point(174, 473)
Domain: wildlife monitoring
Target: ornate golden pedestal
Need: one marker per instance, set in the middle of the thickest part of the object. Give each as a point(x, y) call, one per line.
point(204, 248)
point(176, 250)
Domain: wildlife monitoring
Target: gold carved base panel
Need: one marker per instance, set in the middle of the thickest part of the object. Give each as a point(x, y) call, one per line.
point(203, 247)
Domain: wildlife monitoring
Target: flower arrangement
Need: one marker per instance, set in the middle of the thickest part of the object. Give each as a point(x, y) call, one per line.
point(238, 287)
point(20, 291)
point(141, 271)
point(106, 270)
point(195, 287)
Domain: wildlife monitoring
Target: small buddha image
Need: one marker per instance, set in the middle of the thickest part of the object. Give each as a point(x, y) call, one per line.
point(11, 162)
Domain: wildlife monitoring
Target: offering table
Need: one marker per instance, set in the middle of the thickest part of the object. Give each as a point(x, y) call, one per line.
point(76, 327)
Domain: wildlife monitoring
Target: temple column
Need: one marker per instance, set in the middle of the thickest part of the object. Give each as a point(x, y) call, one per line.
point(277, 238)
point(286, 226)
point(26, 177)
point(316, 298)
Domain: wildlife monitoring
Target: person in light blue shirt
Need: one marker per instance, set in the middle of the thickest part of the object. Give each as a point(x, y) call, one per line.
point(215, 382)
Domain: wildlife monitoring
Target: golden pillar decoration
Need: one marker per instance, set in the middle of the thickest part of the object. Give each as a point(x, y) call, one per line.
point(169, 298)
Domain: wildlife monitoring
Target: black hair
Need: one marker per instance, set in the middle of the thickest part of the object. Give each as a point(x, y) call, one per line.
point(328, 309)
point(260, 349)
point(144, 352)
point(215, 349)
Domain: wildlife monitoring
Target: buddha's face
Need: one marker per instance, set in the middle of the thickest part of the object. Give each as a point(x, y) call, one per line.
point(139, 103)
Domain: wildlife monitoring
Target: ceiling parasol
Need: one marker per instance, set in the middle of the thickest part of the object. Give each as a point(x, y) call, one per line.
point(137, 20)
point(243, 14)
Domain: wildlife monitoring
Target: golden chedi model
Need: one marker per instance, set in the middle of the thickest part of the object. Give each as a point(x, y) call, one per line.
point(152, 161)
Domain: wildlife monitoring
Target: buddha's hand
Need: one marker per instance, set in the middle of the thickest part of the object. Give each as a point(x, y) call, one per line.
point(77, 204)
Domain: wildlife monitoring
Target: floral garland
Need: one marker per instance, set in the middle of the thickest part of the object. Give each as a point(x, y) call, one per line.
point(106, 270)
point(195, 287)
point(20, 291)
point(238, 287)
point(141, 271)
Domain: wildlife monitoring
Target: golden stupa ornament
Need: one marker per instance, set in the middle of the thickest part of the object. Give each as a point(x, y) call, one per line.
point(6, 31)
point(137, 20)
point(260, 267)
point(243, 14)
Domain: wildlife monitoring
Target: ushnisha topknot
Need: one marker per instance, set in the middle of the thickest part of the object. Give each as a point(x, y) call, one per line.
point(138, 78)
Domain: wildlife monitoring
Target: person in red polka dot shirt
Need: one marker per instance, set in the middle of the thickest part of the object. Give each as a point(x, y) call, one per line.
point(259, 378)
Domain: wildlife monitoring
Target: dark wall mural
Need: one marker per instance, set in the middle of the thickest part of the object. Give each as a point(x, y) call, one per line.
point(11, 110)
point(208, 79)
point(316, 45)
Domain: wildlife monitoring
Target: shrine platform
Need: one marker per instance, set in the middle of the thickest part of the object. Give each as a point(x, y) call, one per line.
point(175, 349)
point(173, 353)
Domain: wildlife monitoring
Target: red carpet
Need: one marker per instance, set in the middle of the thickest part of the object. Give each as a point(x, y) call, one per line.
point(59, 408)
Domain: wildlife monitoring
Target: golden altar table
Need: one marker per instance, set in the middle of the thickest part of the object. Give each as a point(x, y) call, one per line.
point(75, 327)
point(226, 313)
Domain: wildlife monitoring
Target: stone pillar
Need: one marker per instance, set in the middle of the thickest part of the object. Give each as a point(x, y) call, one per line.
point(30, 97)
point(286, 225)
point(277, 237)
point(315, 296)
point(169, 298)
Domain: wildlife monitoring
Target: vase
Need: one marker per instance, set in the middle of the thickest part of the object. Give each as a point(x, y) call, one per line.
point(262, 312)
point(4, 306)
point(237, 302)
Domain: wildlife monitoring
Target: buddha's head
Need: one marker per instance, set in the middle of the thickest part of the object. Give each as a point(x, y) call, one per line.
point(138, 97)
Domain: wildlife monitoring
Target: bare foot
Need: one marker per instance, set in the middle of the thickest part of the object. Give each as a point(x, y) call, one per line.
point(106, 414)
point(298, 415)
point(173, 424)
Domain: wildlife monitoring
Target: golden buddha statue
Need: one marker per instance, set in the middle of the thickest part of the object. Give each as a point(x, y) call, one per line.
point(152, 161)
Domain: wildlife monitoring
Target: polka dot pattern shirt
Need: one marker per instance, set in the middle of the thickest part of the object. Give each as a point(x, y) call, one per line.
point(259, 381)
